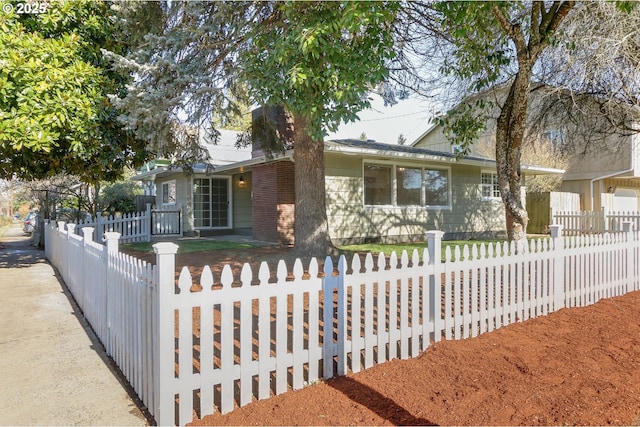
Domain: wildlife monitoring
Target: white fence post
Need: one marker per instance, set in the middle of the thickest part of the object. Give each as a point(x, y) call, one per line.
point(87, 233)
point(147, 223)
point(342, 317)
point(99, 227)
point(558, 267)
point(434, 245)
point(111, 240)
point(164, 372)
point(111, 247)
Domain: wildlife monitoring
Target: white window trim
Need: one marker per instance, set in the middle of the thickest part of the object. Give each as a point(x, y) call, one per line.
point(164, 192)
point(483, 197)
point(394, 186)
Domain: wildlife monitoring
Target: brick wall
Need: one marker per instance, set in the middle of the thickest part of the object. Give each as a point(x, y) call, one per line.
point(273, 202)
point(286, 203)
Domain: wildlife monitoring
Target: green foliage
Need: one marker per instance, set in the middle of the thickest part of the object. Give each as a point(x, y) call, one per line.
point(480, 47)
point(55, 115)
point(120, 197)
point(626, 6)
point(481, 58)
point(485, 38)
point(206, 61)
point(320, 59)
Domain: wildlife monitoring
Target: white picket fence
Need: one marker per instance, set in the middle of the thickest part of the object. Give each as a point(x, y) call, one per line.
point(581, 222)
point(117, 295)
point(137, 227)
point(198, 348)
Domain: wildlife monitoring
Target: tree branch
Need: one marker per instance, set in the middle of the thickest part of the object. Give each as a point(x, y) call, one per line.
point(514, 31)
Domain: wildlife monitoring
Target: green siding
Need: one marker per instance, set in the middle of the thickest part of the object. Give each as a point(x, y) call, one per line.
point(242, 201)
point(350, 220)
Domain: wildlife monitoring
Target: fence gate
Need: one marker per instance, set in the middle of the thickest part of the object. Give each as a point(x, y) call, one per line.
point(166, 222)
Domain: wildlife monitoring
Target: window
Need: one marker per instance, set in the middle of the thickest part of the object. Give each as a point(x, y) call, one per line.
point(408, 186)
point(377, 185)
point(211, 202)
point(397, 185)
point(489, 185)
point(169, 193)
point(556, 138)
point(436, 186)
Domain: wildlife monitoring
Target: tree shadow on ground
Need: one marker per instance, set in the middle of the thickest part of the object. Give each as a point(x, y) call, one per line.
point(19, 255)
point(375, 401)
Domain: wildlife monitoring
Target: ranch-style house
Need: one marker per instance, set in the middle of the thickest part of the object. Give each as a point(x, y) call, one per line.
point(374, 191)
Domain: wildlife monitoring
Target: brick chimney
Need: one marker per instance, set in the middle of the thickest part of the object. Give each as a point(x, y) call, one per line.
point(271, 129)
point(273, 202)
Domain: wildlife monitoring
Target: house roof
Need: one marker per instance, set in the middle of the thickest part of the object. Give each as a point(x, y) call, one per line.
point(226, 151)
point(379, 150)
point(222, 152)
point(356, 147)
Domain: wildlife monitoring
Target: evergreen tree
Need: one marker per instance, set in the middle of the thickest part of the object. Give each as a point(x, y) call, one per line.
point(318, 60)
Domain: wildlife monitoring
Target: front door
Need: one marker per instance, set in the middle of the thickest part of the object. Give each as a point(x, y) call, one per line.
point(211, 202)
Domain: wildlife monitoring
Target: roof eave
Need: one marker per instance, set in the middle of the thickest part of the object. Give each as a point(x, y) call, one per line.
point(288, 155)
point(155, 173)
point(355, 151)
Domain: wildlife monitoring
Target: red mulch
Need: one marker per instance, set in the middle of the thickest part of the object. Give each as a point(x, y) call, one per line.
point(579, 366)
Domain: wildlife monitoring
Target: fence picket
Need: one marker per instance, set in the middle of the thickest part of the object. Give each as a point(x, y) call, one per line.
point(356, 339)
point(264, 327)
point(381, 297)
point(369, 337)
point(282, 325)
point(417, 287)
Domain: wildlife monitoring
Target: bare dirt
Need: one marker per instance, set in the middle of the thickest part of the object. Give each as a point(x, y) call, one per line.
point(578, 366)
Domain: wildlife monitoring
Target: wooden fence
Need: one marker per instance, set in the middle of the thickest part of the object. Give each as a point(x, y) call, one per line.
point(197, 348)
point(588, 222)
point(139, 226)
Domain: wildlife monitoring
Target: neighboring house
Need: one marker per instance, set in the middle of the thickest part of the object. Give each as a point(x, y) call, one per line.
point(606, 175)
point(602, 166)
point(375, 192)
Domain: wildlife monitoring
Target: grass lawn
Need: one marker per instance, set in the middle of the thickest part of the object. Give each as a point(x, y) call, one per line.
point(203, 245)
point(188, 246)
point(376, 248)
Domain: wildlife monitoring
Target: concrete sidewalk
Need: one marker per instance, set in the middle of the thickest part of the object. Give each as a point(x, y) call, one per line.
point(53, 369)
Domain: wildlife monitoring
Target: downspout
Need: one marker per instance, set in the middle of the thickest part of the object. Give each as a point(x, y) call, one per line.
point(612, 174)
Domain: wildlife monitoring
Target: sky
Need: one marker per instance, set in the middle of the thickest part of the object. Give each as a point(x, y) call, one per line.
point(384, 124)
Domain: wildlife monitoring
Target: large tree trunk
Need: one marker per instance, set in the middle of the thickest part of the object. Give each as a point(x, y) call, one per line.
point(311, 226)
point(511, 123)
point(510, 131)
